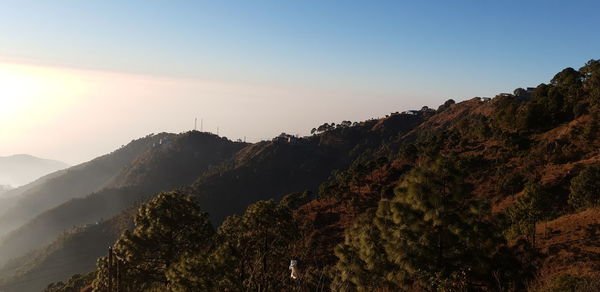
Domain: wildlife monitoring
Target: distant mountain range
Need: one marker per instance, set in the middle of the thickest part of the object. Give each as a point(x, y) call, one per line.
point(20, 169)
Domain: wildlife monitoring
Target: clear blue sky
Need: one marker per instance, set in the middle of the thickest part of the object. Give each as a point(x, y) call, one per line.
point(456, 47)
point(369, 57)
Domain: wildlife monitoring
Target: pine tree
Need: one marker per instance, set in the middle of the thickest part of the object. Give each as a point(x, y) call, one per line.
point(431, 235)
point(591, 80)
point(363, 263)
point(531, 207)
point(585, 188)
point(169, 227)
point(251, 251)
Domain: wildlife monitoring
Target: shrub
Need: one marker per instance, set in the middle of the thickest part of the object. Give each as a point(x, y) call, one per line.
point(585, 188)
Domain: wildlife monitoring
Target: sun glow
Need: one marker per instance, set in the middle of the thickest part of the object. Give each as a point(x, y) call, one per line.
point(30, 90)
point(32, 95)
point(75, 114)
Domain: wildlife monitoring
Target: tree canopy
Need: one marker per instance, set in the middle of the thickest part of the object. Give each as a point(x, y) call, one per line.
point(431, 235)
point(167, 228)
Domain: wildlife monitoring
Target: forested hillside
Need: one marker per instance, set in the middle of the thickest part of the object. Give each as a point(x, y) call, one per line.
point(197, 151)
point(194, 151)
point(74, 182)
point(481, 195)
point(267, 169)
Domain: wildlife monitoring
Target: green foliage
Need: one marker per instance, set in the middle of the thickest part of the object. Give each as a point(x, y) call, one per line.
point(74, 284)
point(169, 227)
point(178, 161)
point(505, 112)
point(74, 182)
point(269, 170)
point(362, 261)
point(359, 175)
point(432, 235)
point(447, 104)
point(591, 80)
point(430, 145)
point(408, 153)
point(581, 108)
point(569, 95)
point(531, 207)
point(474, 127)
point(252, 252)
point(428, 233)
point(336, 185)
point(539, 113)
point(481, 127)
point(565, 283)
point(590, 132)
point(569, 83)
point(519, 92)
point(296, 200)
point(585, 188)
point(323, 128)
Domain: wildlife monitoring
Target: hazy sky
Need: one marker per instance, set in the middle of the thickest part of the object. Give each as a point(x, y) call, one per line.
point(80, 78)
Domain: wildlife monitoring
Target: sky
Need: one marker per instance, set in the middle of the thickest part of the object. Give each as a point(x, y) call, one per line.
point(79, 79)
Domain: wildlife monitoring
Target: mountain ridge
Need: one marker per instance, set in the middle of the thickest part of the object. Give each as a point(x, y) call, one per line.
point(20, 169)
point(522, 168)
point(196, 150)
point(29, 200)
point(299, 163)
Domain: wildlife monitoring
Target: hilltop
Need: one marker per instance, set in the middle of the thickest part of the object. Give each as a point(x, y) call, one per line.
point(20, 169)
point(246, 174)
point(197, 151)
point(28, 201)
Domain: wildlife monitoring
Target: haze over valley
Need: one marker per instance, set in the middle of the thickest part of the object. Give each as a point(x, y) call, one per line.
point(299, 146)
point(17, 170)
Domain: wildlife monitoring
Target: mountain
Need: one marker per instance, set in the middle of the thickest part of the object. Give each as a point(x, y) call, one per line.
point(168, 164)
point(20, 169)
point(178, 162)
point(495, 194)
point(49, 191)
point(501, 165)
point(271, 169)
point(14, 194)
point(265, 170)
point(69, 252)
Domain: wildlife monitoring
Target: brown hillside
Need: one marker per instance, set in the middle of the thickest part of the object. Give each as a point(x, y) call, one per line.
point(553, 157)
point(572, 244)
